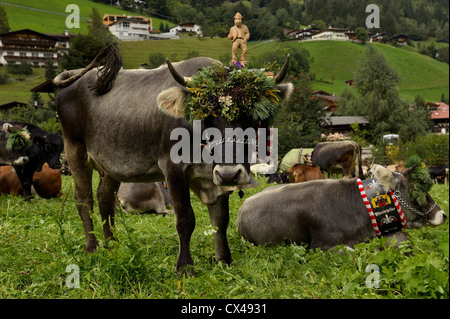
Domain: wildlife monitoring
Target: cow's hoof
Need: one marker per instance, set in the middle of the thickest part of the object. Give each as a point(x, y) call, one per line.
point(228, 261)
point(91, 246)
point(187, 271)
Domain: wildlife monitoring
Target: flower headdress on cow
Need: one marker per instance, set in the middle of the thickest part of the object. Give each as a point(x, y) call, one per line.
point(19, 139)
point(419, 180)
point(219, 91)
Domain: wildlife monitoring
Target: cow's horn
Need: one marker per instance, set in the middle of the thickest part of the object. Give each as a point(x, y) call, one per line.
point(7, 127)
point(183, 80)
point(405, 172)
point(280, 76)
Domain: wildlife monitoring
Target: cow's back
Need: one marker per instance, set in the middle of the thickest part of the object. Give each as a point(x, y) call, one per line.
point(9, 182)
point(47, 183)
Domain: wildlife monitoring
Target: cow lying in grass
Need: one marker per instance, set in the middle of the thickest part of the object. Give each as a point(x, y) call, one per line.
point(141, 198)
point(46, 183)
point(300, 173)
point(326, 213)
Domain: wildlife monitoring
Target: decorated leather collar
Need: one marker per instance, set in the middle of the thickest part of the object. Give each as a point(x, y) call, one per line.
point(384, 209)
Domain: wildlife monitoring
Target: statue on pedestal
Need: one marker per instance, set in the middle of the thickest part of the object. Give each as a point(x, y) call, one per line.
point(239, 34)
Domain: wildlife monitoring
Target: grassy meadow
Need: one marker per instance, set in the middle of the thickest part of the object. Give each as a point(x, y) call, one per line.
point(334, 62)
point(25, 18)
point(40, 238)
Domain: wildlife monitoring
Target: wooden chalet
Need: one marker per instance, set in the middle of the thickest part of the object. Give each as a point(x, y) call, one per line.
point(350, 82)
point(401, 39)
point(329, 99)
point(44, 87)
point(343, 124)
point(32, 47)
point(439, 114)
point(305, 33)
point(377, 37)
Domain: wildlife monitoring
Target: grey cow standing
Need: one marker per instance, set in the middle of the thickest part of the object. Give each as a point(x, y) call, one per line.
point(122, 120)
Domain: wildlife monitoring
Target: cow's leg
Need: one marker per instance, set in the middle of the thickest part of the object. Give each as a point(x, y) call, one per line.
point(219, 216)
point(82, 175)
point(184, 216)
point(106, 203)
point(25, 175)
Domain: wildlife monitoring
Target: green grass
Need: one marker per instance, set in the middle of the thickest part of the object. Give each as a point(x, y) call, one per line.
point(22, 18)
point(135, 52)
point(419, 74)
point(334, 62)
point(19, 90)
point(40, 238)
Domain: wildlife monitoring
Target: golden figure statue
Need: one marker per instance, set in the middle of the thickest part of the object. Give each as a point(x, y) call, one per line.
point(239, 34)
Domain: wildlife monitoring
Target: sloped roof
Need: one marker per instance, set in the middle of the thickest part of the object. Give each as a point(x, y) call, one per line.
point(441, 112)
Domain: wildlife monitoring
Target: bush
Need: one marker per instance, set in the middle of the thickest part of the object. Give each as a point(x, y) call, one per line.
point(24, 68)
point(432, 149)
point(45, 118)
point(4, 78)
point(155, 60)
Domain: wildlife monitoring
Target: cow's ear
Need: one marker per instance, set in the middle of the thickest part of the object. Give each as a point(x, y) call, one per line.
point(172, 101)
point(384, 176)
point(286, 90)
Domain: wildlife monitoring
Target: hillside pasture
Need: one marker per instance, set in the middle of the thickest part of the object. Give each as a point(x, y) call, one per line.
point(334, 62)
point(26, 18)
point(40, 238)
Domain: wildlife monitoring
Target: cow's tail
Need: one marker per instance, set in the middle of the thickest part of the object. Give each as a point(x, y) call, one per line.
point(105, 76)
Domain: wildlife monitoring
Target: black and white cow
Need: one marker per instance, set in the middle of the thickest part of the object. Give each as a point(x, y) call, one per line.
point(326, 213)
point(13, 156)
point(46, 147)
point(123, 120)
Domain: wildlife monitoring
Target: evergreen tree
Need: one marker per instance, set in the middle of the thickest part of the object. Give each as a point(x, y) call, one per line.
point(36, 100)
point(4, 26)
point(98, 30)
point(50, 70)
point(83, 50)
point(361, 34)
point(380, 102)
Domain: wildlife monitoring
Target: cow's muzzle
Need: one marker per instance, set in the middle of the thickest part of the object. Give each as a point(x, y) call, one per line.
point(233, 177)
point(21, 160)
point(439, 218)
point(228, 175)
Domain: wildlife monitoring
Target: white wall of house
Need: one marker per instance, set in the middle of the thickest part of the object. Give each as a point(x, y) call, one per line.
point(183, 28)
point(330, 35)
point(128, 30)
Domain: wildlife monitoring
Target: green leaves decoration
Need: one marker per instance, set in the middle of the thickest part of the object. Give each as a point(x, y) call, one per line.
point(216, 91)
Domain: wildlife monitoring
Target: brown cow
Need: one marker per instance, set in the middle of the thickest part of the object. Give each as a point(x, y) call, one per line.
point(303, 173)
point(46, 183)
